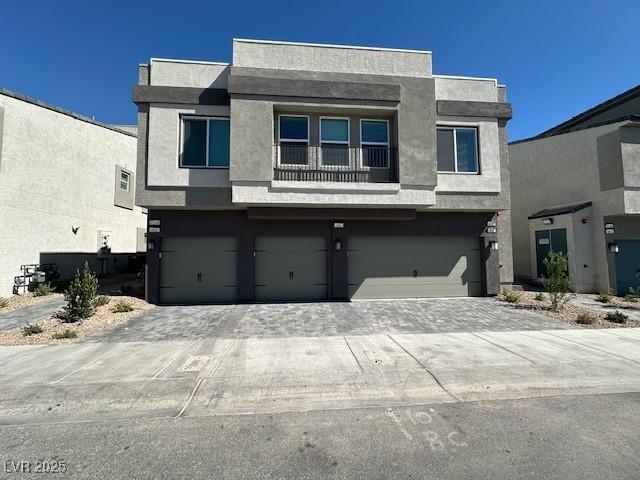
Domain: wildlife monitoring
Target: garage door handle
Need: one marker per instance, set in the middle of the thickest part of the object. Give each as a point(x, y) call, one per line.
point(199, 277)
point(290, 275)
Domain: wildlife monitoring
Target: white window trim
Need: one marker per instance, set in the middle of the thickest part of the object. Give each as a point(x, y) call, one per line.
point(454, 127)
point(181, 143)
point(375, 144)
point(346, 142)
point(293, 140)
point(128, 181)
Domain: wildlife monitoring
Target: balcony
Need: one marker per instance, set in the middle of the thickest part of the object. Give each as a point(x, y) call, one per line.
point(335, 163)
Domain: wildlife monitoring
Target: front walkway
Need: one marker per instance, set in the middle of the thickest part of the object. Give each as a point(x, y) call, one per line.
point(328, 319)
point(31, 313)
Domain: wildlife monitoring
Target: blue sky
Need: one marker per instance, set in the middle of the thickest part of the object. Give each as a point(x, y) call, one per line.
point(557, 58)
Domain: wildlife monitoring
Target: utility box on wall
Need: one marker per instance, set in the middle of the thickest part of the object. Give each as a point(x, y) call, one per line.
point(104, 243)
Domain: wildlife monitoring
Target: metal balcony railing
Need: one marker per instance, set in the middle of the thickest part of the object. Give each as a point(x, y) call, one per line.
point(335, 163)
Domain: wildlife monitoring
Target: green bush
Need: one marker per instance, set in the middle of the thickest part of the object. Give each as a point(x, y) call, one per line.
point(511, 296)
point(617, 317)
point(586, 319)
point(80, 296)
point(556, 283)
point(539, 297)
point(122, 307)
point(604, 297)
point(4, 302)
point(101, 300)
point(633, 295)
point(67, 333)
point(31, 329)
point(43, 289)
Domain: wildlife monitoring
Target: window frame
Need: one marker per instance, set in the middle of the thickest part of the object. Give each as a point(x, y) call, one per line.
point(386, 144)
point(346, 143)
point(128, 175)
point(181, 143)
point(454, 127)
point(293, 140)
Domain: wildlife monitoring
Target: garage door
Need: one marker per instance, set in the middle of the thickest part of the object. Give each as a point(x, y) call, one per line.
point(628, 265)
point(406, 267)
point(291, 268)
point(198, 270)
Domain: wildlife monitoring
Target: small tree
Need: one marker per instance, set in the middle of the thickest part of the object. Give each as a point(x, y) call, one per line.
point(81, 296)
point(556, 283)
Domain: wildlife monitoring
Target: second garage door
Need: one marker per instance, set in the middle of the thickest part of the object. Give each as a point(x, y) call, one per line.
point(198, 270)
point(406, 267)
point(290, 268)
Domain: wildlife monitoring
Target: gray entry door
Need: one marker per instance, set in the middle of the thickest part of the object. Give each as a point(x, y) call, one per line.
point(198, 270)
point(408, 267)
point(290, 268)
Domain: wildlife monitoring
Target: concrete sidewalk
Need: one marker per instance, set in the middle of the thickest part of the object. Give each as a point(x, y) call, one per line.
point(204, 376)
point(31, 313)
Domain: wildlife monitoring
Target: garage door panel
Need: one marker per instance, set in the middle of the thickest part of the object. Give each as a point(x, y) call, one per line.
point(405, 267)
point(198, 270)
point(290, 268)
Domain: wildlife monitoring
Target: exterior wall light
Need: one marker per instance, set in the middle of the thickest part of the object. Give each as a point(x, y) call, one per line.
point(338, 245)
point(547, 221)
point(493, 245)
point(614, 248)
point(151, 245)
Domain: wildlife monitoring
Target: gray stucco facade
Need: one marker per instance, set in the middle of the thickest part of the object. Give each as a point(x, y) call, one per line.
point(272, 78)
point(593, 157)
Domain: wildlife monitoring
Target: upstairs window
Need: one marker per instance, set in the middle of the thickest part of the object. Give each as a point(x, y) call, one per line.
point(334, 140)
point(293, 139)
point(458, 149)
point(205, 142)
point(124, 180)
point(374, 135)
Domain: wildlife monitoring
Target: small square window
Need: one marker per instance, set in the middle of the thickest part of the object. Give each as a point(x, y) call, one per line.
point(124, 180)
point(205, 142)
point(458, 150)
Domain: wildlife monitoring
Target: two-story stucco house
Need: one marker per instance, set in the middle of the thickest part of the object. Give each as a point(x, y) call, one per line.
point(313, 172)
point(577, 190)
point(66, 192)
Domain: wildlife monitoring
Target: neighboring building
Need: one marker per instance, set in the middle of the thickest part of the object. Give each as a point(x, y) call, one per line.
point(577, 190)
point(65, 180)
point(312, 172)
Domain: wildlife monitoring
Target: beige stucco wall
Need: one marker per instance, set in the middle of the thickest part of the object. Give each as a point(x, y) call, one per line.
point(561, 170)
point(57, 172)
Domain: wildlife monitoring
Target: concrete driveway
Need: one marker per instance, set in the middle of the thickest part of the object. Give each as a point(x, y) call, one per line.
point(201, 361)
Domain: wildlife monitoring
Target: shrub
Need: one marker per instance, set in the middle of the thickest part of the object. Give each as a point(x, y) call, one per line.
point(633, 295)
point(586, 319)
point(617, 317)
point(80, 296)
point(511, 296)
point(67, 333)
point(43, 289)
point(101, 300)
point(31, 329)
point(122, 307)
point(556, 283)
point(4, 302)
point(604, 297)
point(539, 297)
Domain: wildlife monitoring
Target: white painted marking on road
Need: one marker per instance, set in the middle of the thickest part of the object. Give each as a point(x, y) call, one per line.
point(194, 363)
point(173, 359)
point(118, 345)
point(188, 402)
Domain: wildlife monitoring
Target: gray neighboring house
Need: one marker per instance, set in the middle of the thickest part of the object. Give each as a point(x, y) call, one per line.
point(66, 187)
point(577, 189)
point(321, 172)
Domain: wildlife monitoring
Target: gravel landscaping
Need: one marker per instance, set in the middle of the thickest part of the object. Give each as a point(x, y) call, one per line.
point(19, 301)
point(104, 319)
point(571, 313)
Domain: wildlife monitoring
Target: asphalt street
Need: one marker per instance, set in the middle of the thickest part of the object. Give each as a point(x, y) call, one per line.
point(567, 437)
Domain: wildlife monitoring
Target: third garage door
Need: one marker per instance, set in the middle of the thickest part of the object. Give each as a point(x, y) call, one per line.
point(291, 268)
point(406, 267)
